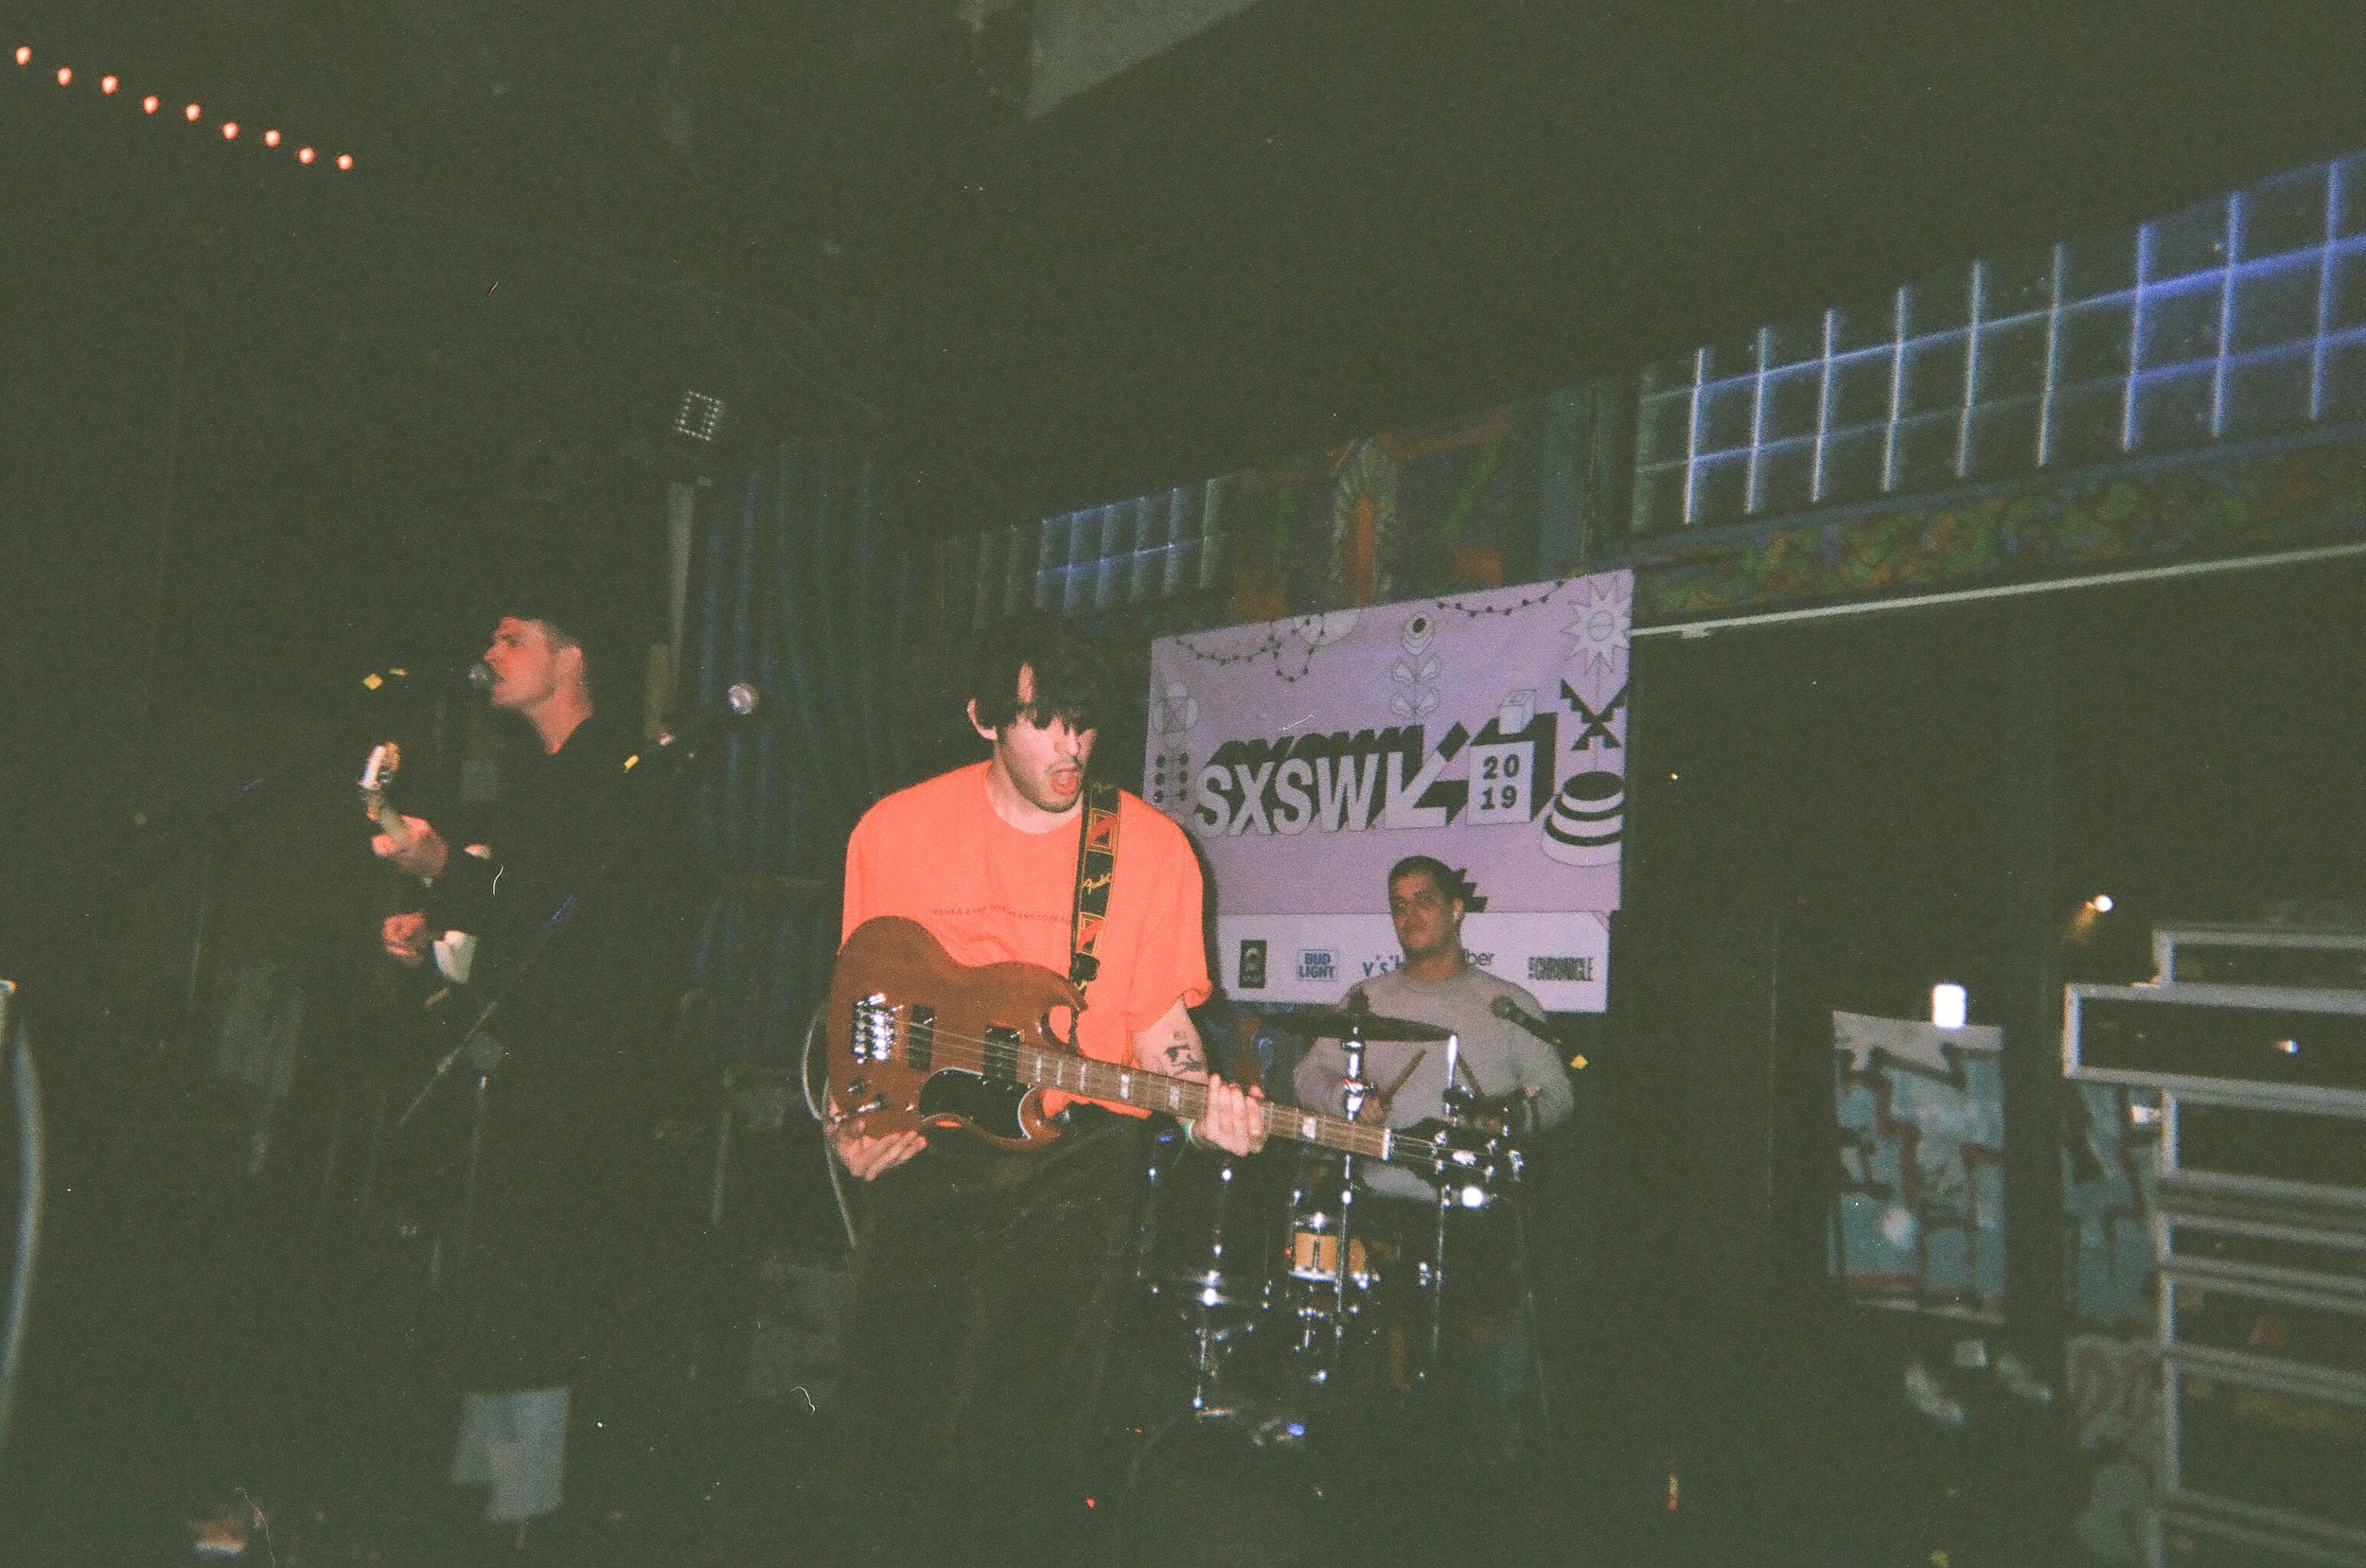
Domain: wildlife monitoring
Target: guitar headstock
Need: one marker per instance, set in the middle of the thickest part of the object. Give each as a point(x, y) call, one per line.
point(1472, 1155)
point(384, 763)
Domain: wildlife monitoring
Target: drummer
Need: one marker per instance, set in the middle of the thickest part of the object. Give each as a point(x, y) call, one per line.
point(1439, 984)
point(1516, 1077)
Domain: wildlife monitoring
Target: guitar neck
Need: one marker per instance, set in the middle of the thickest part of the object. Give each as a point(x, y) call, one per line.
point(1038, 1067)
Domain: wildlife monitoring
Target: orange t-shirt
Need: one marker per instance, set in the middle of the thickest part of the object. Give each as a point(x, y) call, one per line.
point(937, 853)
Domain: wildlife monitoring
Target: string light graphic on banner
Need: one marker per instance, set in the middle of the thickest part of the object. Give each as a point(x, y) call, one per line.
point(1276, 642)
point(1480, 612)
point(110, 84)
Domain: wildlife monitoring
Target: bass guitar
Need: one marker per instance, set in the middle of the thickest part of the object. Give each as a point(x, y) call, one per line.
point(918, 1041)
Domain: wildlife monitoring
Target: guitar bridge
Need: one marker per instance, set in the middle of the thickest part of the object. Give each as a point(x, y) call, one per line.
point(872, 1038)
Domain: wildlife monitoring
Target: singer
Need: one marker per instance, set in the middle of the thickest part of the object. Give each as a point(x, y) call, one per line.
point(560, 1212)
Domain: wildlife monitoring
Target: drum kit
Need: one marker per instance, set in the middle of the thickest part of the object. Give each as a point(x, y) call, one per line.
point(1293, 1284)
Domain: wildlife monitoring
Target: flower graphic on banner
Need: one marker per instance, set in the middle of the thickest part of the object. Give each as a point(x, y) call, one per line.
point(1413, 672)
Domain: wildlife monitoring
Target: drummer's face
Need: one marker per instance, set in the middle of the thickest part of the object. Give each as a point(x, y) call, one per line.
point(1427, 922)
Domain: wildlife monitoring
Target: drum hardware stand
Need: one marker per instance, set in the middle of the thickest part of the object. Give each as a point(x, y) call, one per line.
point(1432, 1272)
point(1354, 1086)
point(1201, 1297)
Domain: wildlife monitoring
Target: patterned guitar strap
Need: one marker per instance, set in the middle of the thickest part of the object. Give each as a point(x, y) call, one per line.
point(1096, 869)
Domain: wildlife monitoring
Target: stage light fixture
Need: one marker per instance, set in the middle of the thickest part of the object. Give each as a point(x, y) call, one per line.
point(24, 54)
point(303, 155)
point(2102, 902)
point(270, 138)
point(192, 112)
point(230, 131)
point(699, 417)
point(344, 160)
point(1947, 1006)
point(65, 76)
point(149, 104)
point(108, 85)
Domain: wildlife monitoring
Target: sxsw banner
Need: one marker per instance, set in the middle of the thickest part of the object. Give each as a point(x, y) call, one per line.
point(1310, 755)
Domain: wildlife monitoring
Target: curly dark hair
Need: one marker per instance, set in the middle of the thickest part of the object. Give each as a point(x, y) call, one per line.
point(1069, 671)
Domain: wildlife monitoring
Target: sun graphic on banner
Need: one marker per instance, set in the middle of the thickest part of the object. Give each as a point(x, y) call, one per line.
point(1604, 610)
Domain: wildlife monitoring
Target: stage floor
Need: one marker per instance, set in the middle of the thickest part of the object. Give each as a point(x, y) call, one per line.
point(203, 1354)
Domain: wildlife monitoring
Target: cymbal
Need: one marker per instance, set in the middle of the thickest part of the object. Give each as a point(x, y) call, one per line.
point(1336, 1022)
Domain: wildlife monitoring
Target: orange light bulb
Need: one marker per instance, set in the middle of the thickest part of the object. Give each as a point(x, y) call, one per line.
point(344, 160)
point(270, 138)
point(108, 85)
point(303, 155)
point(191, 113)
point(230, 131)
point(148, 104)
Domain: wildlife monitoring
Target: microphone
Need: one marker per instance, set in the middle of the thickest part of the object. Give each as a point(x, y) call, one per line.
point(1512, 1013)
point(739, 700)
point(477, 676)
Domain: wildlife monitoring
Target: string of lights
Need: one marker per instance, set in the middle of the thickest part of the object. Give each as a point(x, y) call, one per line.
point(111, 85)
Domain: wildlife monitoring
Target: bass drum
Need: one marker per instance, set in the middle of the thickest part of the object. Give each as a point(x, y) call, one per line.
point(1210, 1228)
point(1232, 1490)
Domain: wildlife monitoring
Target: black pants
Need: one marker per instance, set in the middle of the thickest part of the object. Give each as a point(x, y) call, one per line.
point(976, 1340)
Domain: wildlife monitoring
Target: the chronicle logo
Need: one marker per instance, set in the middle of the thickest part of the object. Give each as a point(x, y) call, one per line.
point(1580, 970)
point(1253, 964)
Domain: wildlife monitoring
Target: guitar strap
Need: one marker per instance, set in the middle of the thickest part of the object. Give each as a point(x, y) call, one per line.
point(1096, 869)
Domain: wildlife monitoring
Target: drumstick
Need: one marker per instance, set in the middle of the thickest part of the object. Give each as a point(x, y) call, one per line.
point(1390, 1092)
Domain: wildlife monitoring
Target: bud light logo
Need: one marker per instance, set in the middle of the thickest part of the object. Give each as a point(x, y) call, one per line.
point(1317, 963)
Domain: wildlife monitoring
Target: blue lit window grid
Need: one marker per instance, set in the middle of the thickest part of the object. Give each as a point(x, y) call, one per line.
point(1159, 546)
point(1979, 332)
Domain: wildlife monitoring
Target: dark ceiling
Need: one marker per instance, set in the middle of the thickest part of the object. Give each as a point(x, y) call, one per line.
point(1319, 219)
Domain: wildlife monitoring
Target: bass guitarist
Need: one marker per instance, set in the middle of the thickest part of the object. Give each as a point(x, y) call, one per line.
point(986, 1281)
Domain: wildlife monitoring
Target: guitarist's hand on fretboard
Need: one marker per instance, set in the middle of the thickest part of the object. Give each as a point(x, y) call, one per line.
point(1232, 1121)
point(419, 849)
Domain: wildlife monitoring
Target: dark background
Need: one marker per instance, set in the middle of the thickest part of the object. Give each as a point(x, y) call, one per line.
point(264, 428)
point(266, 425)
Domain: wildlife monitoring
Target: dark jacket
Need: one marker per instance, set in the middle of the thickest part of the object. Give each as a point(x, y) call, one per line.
point(584, 916)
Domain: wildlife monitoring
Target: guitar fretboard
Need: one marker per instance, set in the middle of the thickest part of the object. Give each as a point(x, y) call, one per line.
point(1010, 1059)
